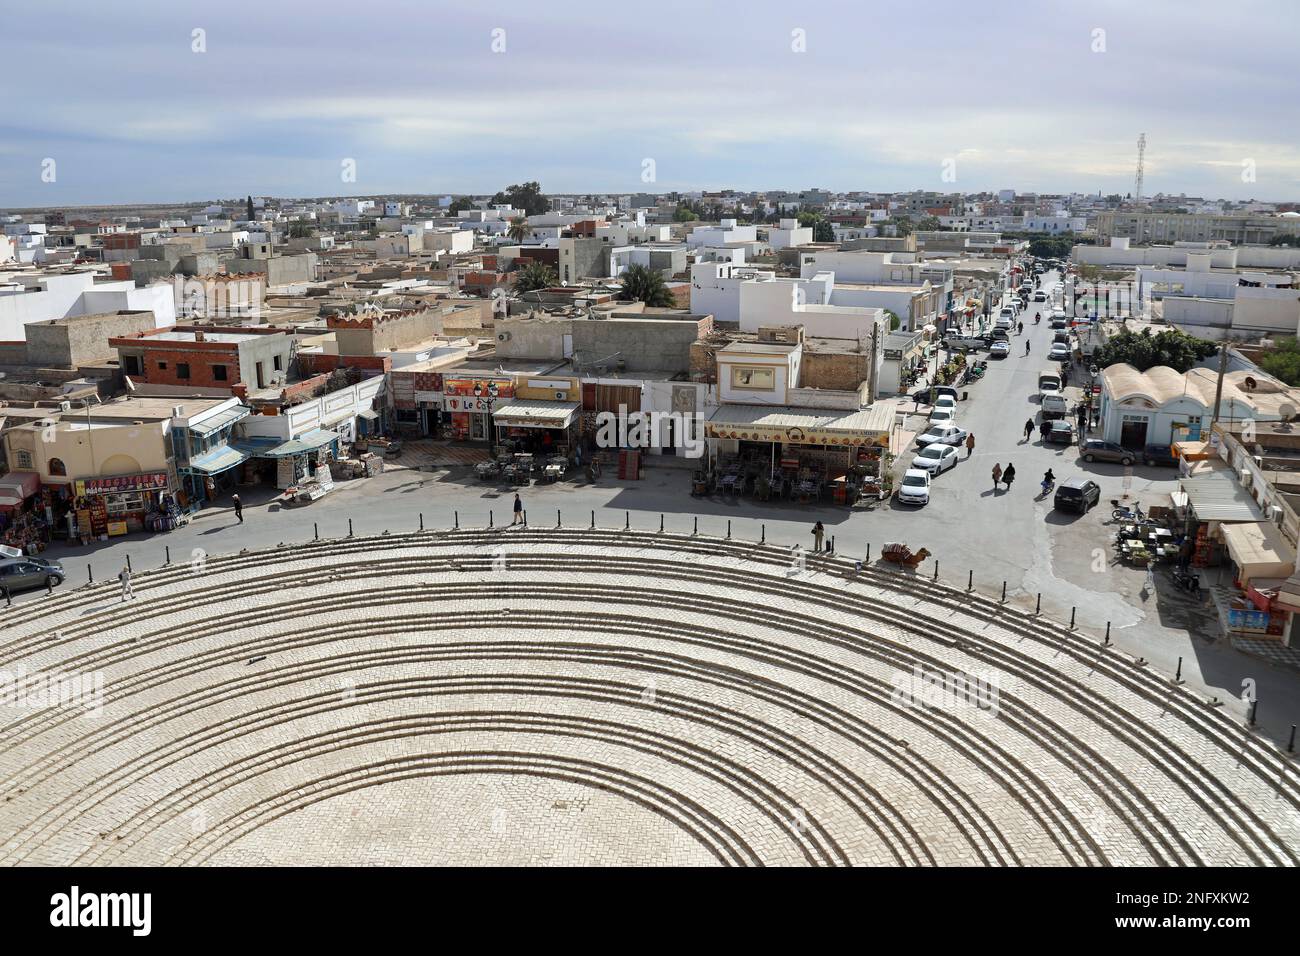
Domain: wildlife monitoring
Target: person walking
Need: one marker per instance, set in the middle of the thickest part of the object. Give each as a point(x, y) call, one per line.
point(970, 444)
point(125, 577)
point(818, 533)
point(1029, 428)
point(1009, 475)
point(239, 507)
point(997, 475)
point(519, 510)
point(1026, 346)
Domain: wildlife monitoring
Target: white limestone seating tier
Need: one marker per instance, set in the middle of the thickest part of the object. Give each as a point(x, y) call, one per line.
point(530, 696)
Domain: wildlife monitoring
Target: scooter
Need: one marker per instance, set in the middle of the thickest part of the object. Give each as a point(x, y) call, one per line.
point(1046, 487)
point(1187, 581)
point(1120, 513)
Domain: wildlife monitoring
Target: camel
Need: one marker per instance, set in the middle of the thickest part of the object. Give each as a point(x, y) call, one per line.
point(898, 553)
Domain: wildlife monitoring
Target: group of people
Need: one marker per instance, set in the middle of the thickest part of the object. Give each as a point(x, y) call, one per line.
point(1001, 474)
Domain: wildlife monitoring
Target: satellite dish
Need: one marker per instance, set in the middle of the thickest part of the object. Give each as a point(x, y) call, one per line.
point(1249, 384)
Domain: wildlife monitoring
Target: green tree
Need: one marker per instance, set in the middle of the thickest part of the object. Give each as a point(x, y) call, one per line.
point(1143, 350)
point(894, 320)
point(518, 229)
point(525, 196)
point(929, 224)
point(299, 230)
point(644, 284)
point(822, 231)
point(1283, 361)
point(251, 215)
point(683, 213)
point(534, 276)
point(459, 203)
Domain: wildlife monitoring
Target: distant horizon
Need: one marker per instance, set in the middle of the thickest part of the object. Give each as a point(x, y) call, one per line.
point(111, 104)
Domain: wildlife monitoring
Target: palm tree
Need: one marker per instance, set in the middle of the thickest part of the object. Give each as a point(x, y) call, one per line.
point(533, 276)
point(518, 228)
point(646, 285)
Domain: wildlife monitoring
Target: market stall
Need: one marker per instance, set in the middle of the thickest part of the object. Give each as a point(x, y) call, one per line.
point(121, 504)
point(23, 523)
point(541, 428)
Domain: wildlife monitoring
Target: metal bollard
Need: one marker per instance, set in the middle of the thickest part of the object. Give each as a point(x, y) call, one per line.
point(832, 548)
point(315, 530)
point(491, 519)
point(1038, 607)
point(1072, 610)
point(90, 574)
point(728, 529)
point(936, 570)
point(970, 580)
point(697, 525)
point(1178, 674)
point(559, 519)
point(763, 539)
point(1107, 642)
point(1254, 706)
point(128, 562)
point(456, 518)
point(49, 585)
point(866, 558)
point(421, 520)
point(1290, 744)
point(593, 521)
point(349, 527)
point(627, 520)
point(168, 549)
point(1004, 592)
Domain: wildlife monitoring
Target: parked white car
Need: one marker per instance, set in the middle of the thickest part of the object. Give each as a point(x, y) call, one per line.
point(946, 401)
point(941, 435)
point(935, 458)
point(942, 416)
point(915, 487)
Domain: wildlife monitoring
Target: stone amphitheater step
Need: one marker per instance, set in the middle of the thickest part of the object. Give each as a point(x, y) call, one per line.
point(1089, 759)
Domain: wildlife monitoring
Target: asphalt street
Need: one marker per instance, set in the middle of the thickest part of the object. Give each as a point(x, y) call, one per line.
point(1011, 536)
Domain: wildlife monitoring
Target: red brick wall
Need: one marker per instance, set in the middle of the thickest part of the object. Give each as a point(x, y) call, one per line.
point(313, 364)
point(200, 362)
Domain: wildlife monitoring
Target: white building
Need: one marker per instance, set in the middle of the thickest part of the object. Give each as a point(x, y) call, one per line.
point(38, 298)
point(720, 235)
point(790, 233)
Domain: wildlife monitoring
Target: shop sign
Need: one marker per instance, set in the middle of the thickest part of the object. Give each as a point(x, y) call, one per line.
point(475, 394)
point(793, 434)
point(154, 481)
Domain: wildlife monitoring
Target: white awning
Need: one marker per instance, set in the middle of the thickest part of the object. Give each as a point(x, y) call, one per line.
point(525, 414)
point(1216, 497)
point(1259, 550)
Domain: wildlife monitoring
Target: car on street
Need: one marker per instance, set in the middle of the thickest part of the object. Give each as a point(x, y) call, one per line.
point(19, 574)
point(915, 487)
point(1058, 319)
point(935, 458)
point(1040, 296)
point(1094, 449)
point(1159, 455)
point(1060, 352)
point(942, 416)
point(1060, 432)
point(1000, 349)
point(1061, 336)
point(946, 401)
point(1054, 406)
point(941, 435)
point(1006, 312)
point(1076, 494)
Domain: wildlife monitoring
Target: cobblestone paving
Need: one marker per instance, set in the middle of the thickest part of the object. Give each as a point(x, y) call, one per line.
point(568, 697)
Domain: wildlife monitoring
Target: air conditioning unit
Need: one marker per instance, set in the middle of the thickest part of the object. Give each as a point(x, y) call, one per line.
point(178, 411)
point(65, 406)
point(1275, 514)
point(561, 396)
point(503, 336)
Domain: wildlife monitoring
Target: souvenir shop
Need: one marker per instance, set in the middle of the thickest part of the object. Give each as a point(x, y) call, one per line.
point(109, 507)
point(23, 520)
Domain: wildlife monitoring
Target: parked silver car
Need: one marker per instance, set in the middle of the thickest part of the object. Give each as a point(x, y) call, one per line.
point(19, 574)
point(1094, 449)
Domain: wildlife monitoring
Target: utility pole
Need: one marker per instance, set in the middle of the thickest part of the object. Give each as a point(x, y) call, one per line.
point(1218, 387)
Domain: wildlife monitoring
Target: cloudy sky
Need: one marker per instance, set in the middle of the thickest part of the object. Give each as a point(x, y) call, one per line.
point(433, 97)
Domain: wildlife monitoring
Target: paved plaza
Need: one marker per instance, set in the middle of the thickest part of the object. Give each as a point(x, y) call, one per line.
point(570, 696)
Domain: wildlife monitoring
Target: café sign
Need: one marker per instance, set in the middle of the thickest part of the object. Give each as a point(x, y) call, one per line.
point(475, 394)
point(793, 435)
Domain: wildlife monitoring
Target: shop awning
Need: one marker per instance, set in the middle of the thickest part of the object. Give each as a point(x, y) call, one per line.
point(1259, 550)
point(221, 420)
point(17, 486)
point(273, 448)
point(524, 414)
point(802, 426)
point(369, 415)
point(218, 460)
point(1215, 497)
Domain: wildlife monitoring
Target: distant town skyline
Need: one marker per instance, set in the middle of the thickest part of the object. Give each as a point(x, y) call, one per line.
point(156, 103)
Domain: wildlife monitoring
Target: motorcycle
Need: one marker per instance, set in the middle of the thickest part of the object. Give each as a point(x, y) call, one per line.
point(1187, 581)
point(1046, 487)
point(1120, 513)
